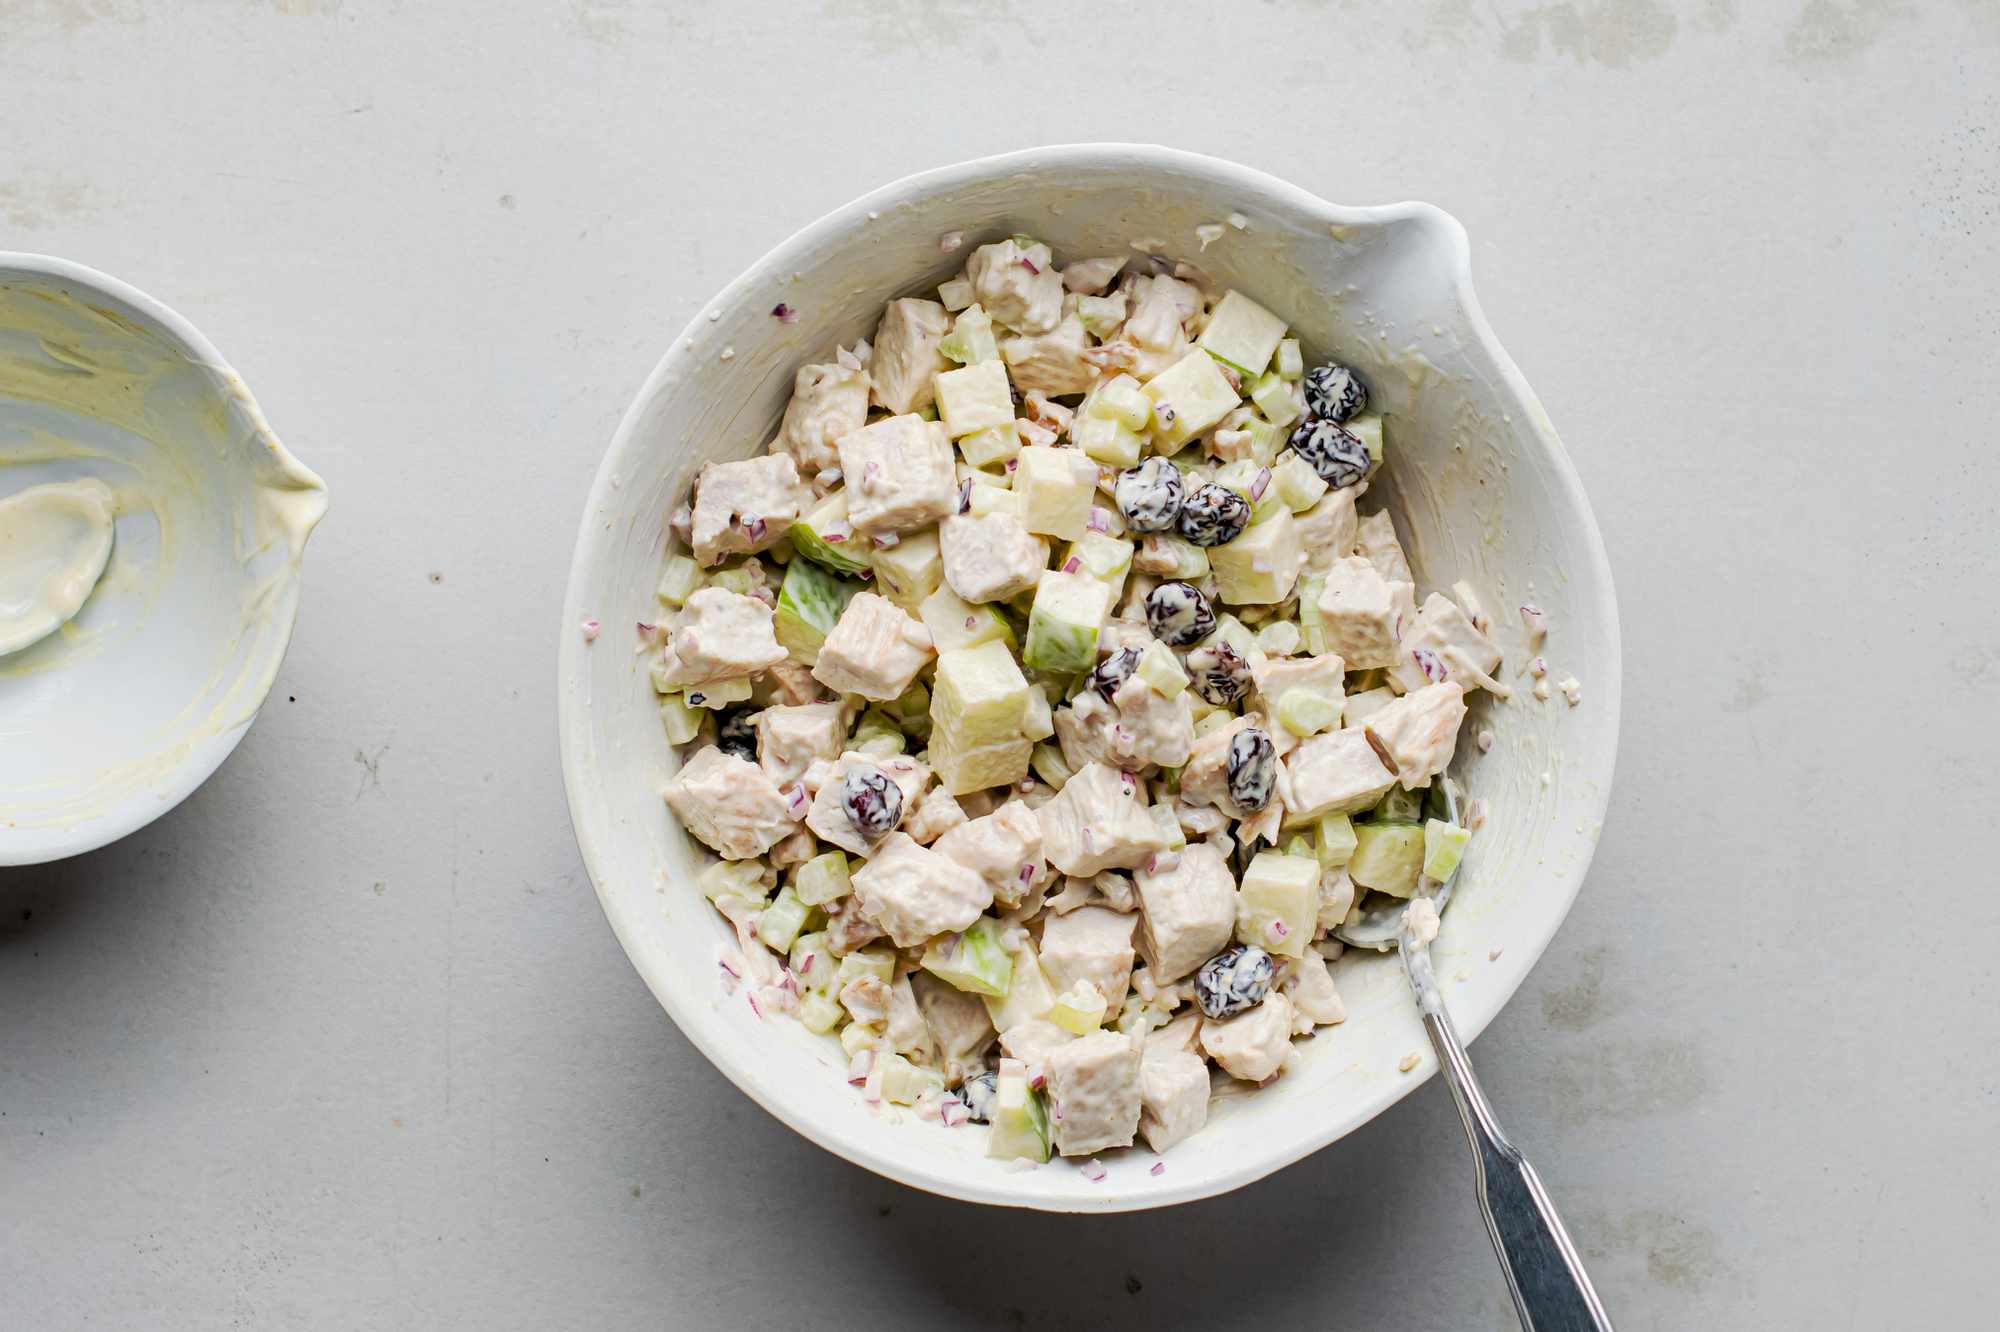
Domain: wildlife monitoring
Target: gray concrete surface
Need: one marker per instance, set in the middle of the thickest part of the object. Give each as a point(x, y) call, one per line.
point(344, 1041)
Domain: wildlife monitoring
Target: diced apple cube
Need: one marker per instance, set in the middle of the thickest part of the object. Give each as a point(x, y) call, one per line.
point(977, 397)
point(1056, 487)
point(956, 623)
point(1278, 903)
point(910, 570)
point(1241, 332)
point(1259, 567)
point(1387, 857)
point(1188, 397)
point(1063, 624)
point(979, 694)
point(973, 961)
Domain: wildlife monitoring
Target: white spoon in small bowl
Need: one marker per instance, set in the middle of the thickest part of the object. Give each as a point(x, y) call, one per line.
point(1552, 1292)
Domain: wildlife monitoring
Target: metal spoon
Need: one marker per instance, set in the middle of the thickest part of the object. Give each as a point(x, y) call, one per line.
point(1552, 1292)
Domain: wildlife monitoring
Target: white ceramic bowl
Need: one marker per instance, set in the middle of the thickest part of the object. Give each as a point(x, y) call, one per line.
point(113, 720)
point(1482, 491)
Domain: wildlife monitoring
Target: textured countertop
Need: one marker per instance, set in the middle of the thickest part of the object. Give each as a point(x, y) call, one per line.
point(345, 1041)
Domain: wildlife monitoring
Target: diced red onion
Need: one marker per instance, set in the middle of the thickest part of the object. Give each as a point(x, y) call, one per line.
point(1027, 874)
point(1260, 484)
point(971, 622)
point(647, 630)
point(1029, 264)
point(828, 476)
point(754, 527)
point(590, 628)
point(806, 964)
point(1039, 1081)
point(950, 241)
point(1072, 564)
point(1428, 662)
point(1098, 521)
point(784, 313)
point(1159, 1168)
point(834, 538)
point(1092, 1170)
point(884, 540)
point(857, 1067)
point(755, 1007)
point(723, 962)
point(952, 1111)
point(1279, 929)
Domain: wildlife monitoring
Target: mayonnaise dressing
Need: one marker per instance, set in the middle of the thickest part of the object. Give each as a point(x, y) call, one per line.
point(54, 543)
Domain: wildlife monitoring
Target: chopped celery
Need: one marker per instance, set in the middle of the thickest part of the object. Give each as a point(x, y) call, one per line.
point(877, 962)
point(1335, 835)
point(1050, 765)
point(1444, 846)
point(1020, 1121)
point(682, 722)
point(812, 960)
point(822, 879)
point(877, 733)
point(1368, 429)
point(971, 340)
point(974, 961)
point(781, 921)
point(1296, 483)
point(1303, 712)
point(955, 294)
point(1273, 397)
point(1279, 638)
point(1079, 1009)
point(820, 1014)
point(824, 536)
point(1241, 332)
point(1291, 360)
point(678, 582)
point(809, 605)
point(1101, 315)
point(905, 1083)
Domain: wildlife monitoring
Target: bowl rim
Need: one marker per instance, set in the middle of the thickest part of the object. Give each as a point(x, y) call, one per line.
point(202, 760)
point(736, 1064)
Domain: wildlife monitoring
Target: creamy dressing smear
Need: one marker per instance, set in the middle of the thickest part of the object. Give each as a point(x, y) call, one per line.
point(54, 543)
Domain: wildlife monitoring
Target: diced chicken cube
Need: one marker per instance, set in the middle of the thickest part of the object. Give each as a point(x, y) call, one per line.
point(1362, 613)
point(1141, 728)
point(1419, 731)
point(1336, 772)
point(1173, 1096)
point(1019, 288)
point(913, 892)
point(1089, 944)
point(1336, 899)
point(848, 927)
point(729, 804)
point(1096, 823)
point(935, 815)
point(899, 475)
point(906, 354)
point(827, 402)
point(1360, 707)
point(1089, 277)
point(1052, 362)
point(1004, 848)
point(875, 649)
point(958, 1022)
point(991, 558)
point(1032, 1042)
point(721, 636)
point(866, 999)
point(1188, 912)
point(745, 506)
point(790, 738)
point(1326, 530)
point(1375, 539)
point(1310, 987)
point(1253, 1046)
point(1443, 643)
point(787, 683)
point(1181, 1033)
point(1324, 676)
point(1094, 1093)
point(828, 817)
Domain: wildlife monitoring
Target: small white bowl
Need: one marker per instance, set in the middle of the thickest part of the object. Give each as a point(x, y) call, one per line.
point(1481, 489)
point(115, 718)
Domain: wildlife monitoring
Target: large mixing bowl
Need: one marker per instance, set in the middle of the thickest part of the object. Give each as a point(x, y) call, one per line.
point(1481, 489)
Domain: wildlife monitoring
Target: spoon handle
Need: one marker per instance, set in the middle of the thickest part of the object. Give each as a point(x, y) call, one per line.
point(1552, 1292)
